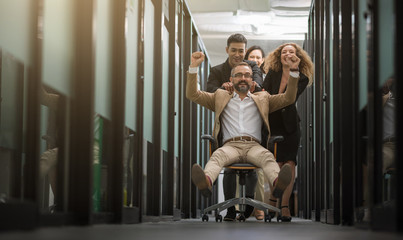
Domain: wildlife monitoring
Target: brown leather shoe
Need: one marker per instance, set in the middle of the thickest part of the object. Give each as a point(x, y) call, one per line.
point(282, 181)
point(201, 181)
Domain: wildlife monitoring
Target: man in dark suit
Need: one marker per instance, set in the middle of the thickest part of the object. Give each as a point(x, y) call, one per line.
point(220, 75)
point(219, 78)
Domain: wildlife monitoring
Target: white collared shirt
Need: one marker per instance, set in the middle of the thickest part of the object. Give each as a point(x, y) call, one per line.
point(241, 118)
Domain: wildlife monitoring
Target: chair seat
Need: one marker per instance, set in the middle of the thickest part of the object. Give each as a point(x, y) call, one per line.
point(242, 166)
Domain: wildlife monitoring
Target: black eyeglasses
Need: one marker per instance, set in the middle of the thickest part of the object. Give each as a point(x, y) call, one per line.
point(240, 75)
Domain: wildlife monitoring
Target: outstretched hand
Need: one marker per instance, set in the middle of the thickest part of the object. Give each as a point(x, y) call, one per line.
point(196, 59)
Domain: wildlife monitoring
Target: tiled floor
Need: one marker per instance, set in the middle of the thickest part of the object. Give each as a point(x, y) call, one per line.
point(195, 229)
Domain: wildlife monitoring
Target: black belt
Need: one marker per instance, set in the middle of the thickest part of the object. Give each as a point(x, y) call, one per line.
point(242, 138)
point(389, 139)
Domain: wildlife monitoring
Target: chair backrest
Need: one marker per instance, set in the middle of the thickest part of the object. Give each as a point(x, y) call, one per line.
point(273, 140)
point(211, 142)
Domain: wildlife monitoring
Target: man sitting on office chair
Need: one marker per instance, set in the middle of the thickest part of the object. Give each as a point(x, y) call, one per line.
point(242, 115)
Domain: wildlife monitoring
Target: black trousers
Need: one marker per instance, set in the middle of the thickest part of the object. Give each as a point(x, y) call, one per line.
point(229, 184)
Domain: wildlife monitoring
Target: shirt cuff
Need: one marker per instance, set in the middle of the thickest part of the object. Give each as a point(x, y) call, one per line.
point(193, 69)
point(294, 74)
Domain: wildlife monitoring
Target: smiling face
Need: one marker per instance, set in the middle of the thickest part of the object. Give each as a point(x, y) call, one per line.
point(256, 55)
point(287, 50)
point(236, 53)
point(242, 78)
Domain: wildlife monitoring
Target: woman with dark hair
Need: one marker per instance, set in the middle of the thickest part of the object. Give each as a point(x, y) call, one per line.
point(256, 53)
point(285, 121)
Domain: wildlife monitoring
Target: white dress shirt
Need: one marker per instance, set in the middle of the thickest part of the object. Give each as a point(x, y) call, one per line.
point(241, 118)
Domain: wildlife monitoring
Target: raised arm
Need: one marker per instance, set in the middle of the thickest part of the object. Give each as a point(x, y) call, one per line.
point(279, 101)
point(192, 93)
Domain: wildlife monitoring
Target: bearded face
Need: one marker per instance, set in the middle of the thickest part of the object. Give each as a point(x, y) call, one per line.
point(242, 86)
point(242, 78)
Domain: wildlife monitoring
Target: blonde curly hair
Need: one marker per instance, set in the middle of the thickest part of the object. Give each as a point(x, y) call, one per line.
point(273, 61)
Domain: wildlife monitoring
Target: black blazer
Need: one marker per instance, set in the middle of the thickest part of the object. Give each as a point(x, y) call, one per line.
point(287, 118)
point(221, 74)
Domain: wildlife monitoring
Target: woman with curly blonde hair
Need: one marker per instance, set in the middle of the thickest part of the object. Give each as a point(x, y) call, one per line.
point(285, 121)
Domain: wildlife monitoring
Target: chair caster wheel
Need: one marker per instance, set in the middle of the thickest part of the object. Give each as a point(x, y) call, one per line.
point(241, 218)
point(218, 218)
point(205, 218)
point(267, 218)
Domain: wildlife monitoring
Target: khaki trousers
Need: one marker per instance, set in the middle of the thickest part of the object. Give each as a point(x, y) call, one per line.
point(242, 152)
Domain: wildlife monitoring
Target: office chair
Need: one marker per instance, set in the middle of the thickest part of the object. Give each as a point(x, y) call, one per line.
point(241, 169)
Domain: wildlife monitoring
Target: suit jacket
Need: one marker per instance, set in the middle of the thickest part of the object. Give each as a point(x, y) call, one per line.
point(218, 100)
point(221, 74)
point(287, 118)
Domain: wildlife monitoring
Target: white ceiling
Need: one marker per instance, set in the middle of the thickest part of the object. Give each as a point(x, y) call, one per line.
point(267, 23)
